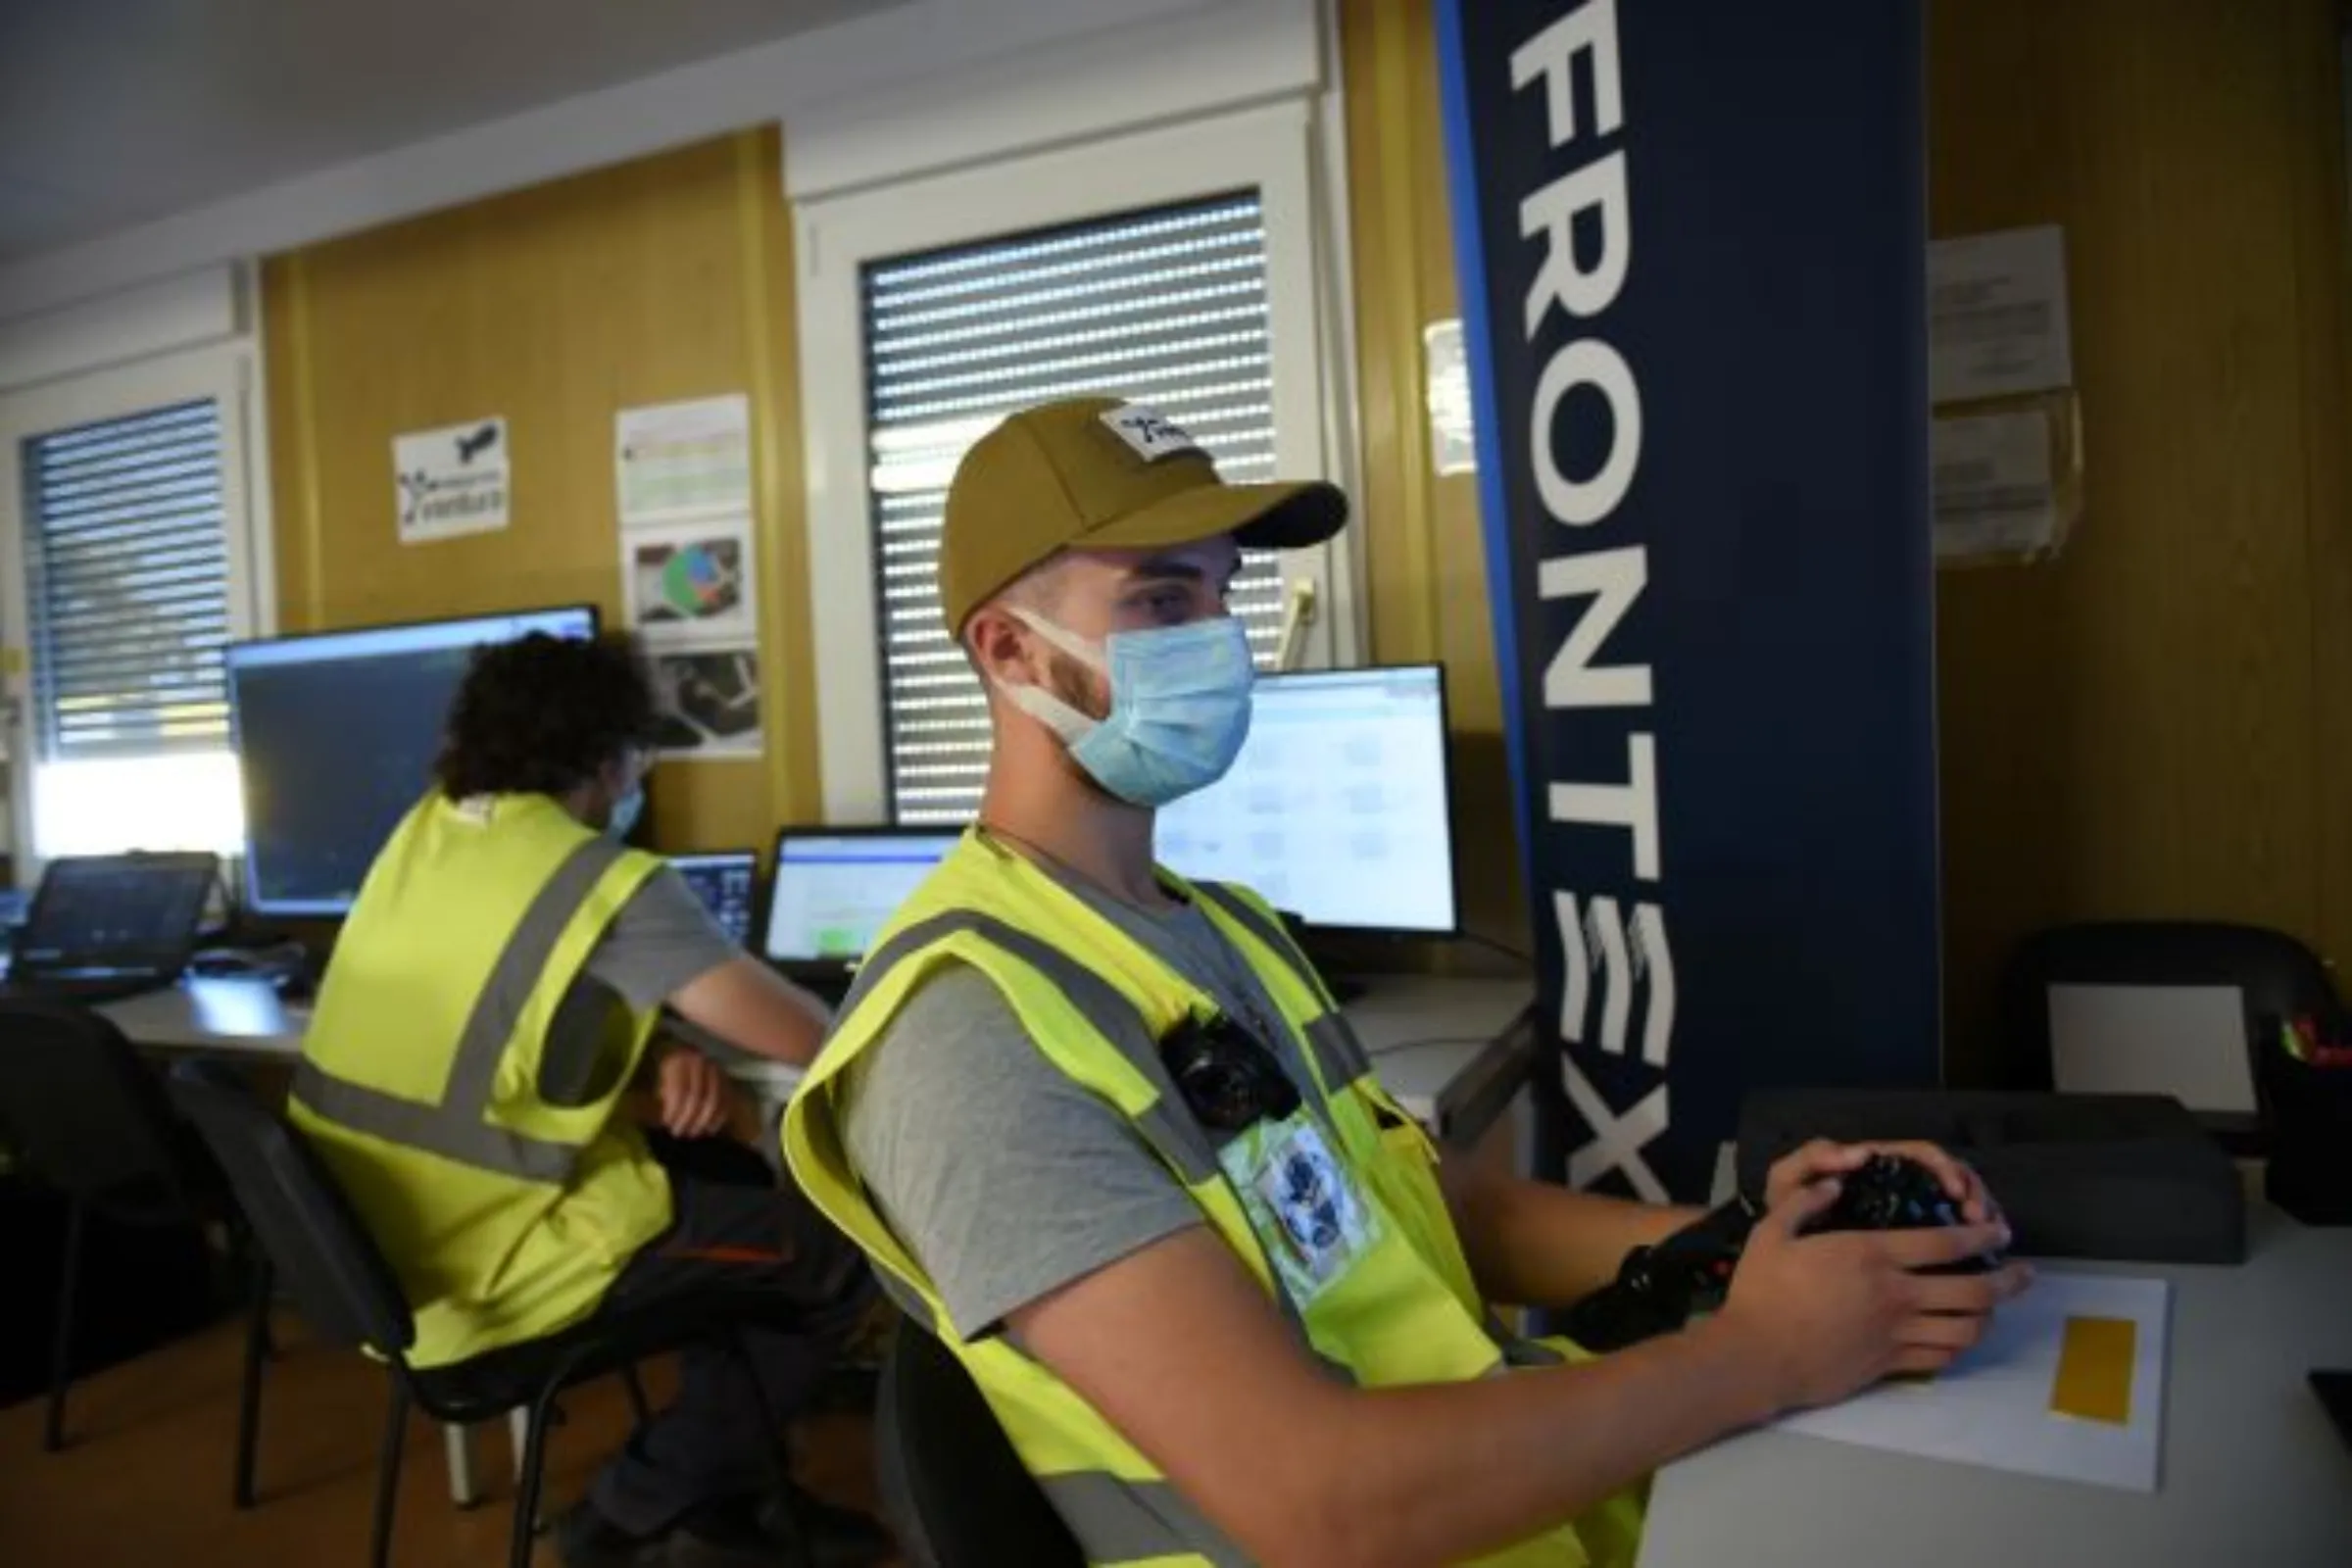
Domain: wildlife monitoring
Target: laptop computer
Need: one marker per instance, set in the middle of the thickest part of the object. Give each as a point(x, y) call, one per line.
point(107, 926)
point(834, 888)
point(727, 882)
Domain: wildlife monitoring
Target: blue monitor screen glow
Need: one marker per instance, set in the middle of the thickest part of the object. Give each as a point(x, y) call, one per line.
point(336, 735)
point(1337, 809)
point(727, 883)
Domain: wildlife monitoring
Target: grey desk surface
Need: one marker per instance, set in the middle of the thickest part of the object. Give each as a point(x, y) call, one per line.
point(1452, 1051)
point(2252, 1473)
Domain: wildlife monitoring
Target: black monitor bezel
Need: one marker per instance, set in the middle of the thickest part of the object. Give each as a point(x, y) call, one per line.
point(248, 894)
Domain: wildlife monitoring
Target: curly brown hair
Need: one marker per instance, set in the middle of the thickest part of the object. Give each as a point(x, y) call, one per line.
point(542, 714)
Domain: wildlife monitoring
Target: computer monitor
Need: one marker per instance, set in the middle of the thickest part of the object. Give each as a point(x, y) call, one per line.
point(1337, 809)
point(726, 883)
point(336, 735)
point(834, 888)
point(121, 909)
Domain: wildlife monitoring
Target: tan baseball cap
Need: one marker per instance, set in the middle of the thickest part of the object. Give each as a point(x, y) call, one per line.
point(1100, 473)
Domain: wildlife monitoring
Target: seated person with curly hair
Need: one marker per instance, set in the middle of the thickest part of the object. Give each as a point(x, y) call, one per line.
point(483, 1053)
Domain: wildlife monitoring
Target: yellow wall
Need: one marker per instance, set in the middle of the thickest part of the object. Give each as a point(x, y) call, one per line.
point(658, 281)
point(2159, 723)
point(2154, 725)
point(1424, 561)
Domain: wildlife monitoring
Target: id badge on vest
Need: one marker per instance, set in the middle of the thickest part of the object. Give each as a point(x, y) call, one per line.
point(1302, 1202)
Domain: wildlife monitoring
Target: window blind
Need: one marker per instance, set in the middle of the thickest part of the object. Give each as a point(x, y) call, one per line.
point(128, 567)
point(1165, 306)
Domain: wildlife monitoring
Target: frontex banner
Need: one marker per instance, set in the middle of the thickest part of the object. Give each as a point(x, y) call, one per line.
point(1692, 238)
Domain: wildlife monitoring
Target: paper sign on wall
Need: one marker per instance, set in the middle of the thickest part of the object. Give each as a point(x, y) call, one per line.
point(673, 461)
point(709, 702)
point(1995, 492)
point(1998, 317)
point(450, 481)
point(1453, 435)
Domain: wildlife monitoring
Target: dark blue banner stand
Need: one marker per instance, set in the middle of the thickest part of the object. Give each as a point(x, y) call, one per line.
point(1692, 237)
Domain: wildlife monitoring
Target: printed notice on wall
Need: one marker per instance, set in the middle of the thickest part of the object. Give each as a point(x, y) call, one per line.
point(1452, 436)
point(450, 481)
point(679, 460)
point(1998, 317)
point(1994, 495)
point(709, 700)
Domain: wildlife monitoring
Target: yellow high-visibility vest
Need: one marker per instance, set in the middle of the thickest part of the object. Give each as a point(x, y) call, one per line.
point(505, 1216)
point(1096, 1002)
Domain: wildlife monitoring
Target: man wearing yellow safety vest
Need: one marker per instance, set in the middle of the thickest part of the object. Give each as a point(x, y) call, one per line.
point(1108, 1136)
point(483, 1048)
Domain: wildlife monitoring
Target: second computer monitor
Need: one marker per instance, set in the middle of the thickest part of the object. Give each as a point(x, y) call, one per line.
point(1337, 809)
point(835, 888)
point(726, 881)
point(336, 734)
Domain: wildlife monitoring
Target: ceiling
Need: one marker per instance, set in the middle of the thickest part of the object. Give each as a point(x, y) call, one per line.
point(118, 112)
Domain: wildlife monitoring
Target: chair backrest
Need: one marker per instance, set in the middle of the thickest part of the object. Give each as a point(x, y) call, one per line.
point(323, 1256)
point(87, 1113)
point(955, 1492)
point(2275, 975)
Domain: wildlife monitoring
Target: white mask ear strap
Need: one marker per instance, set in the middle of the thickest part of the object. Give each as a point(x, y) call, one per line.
point(1050, 711)
point(1069, 642)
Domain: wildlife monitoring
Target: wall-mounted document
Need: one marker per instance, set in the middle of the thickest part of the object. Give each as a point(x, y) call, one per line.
point(1996, 495)
point(1997, 315)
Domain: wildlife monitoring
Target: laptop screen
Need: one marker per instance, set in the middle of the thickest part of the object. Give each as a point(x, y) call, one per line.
point(833, 891)
point(126, 909)
point(724, 882)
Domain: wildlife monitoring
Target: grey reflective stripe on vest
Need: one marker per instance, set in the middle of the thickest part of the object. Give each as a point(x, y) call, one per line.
point(1277, 940)
point(1339, 1055)
point(1117, 1520)
point(1339, 1058)
point(1176, 1138)
point(456, 1128)
point(1168, 1127)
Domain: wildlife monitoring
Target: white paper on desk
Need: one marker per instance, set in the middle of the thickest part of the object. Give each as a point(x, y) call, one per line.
point(1992, 1408)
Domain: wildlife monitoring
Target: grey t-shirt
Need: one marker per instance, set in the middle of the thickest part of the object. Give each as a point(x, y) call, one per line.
point(663, 940)
point(1005, 1179)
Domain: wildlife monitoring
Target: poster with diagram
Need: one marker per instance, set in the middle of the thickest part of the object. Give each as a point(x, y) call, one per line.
point(709, 702)
point(690, 583)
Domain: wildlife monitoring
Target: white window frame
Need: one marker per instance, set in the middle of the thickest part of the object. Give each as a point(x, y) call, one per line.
point(1268, 149)
point(225, 373)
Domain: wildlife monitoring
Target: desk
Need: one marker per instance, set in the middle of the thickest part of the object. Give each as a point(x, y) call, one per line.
point(2251, 1471)
point(1454, 1053)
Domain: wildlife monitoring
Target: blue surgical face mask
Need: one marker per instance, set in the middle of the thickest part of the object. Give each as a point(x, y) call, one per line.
point(625, 813)
point(1179, 706)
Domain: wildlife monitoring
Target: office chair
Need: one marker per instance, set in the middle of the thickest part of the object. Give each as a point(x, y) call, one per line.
point(955, 1494)
point(2278, 977)
point(342, 1285)
point(93, 1120)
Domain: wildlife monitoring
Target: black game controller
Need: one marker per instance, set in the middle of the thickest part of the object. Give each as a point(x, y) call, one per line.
point(1891, 1193)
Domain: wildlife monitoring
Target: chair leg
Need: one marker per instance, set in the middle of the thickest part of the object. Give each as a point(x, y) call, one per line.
point(641, 1411)
point(528, 1477)
point(60, 1343)
point(387, 1474)
point(249, 1402)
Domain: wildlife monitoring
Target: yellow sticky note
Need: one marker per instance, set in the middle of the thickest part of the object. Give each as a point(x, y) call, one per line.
point(2094, 1369)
